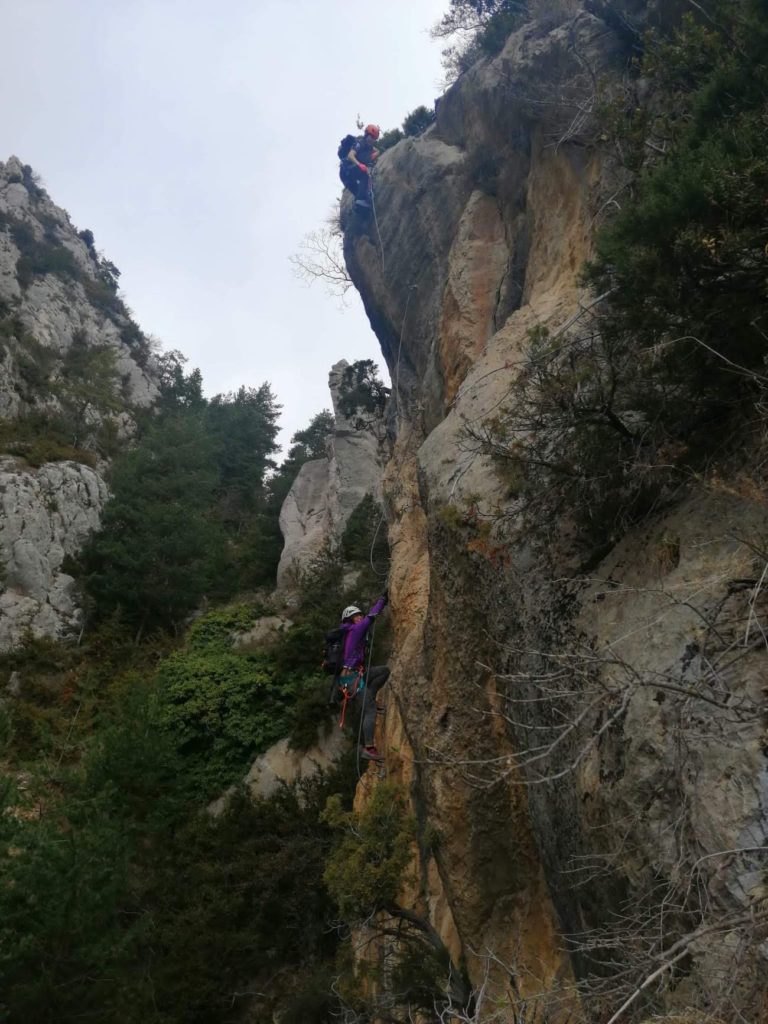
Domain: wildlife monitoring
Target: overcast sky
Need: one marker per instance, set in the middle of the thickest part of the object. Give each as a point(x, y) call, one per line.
point(197, 140)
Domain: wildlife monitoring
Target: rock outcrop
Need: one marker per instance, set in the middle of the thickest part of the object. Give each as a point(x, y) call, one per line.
point(327, 491)
point(72, 364)
point(45, 515)
point(54, 288)
point(282, 766)
point(485, 221)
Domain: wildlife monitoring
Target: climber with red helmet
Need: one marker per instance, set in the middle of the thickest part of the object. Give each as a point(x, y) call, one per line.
point(357, 156)
point(354, 681)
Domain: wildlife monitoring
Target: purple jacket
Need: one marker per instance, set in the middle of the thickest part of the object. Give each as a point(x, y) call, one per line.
point(354, 641)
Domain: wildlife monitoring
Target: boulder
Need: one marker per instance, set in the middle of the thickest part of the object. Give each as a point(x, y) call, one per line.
point(45, 515)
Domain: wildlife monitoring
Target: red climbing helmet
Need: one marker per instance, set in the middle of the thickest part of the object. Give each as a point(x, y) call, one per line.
point(373, 130)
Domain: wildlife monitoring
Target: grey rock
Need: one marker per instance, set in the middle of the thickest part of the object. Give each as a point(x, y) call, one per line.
point(264, 632)
point(45, 514)
point(327, 491)
point(53, 309)
point(303, 521)
point(280, 766)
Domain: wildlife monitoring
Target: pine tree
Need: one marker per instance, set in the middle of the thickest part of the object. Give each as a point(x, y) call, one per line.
point(160, 548)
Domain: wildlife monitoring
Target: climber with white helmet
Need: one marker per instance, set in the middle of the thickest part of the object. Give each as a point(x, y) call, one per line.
point(354, 681)
point(357, 156)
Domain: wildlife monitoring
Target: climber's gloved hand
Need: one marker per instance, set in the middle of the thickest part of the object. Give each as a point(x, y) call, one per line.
point(363, 168)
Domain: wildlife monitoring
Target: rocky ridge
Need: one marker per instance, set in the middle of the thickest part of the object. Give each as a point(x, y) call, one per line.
point(485, 221)
point(58, 308)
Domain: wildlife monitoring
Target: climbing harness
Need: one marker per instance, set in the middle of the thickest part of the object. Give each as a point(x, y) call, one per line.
point(349, 690)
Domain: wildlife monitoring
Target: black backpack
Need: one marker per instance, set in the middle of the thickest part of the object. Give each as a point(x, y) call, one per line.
point(345, 145)
point(334, 651)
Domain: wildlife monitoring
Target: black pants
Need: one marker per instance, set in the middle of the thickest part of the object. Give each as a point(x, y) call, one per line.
point(357, 181)
point(377, 676)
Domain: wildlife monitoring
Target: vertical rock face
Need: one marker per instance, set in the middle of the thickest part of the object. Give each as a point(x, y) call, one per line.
point(327, 491)
point(45, 515)
point(58, 298)
point(485, 222)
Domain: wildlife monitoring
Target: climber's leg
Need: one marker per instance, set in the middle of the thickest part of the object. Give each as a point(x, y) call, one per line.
point(374, 680)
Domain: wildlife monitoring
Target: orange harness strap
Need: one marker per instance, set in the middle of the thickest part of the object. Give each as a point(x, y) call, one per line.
point(348, 692)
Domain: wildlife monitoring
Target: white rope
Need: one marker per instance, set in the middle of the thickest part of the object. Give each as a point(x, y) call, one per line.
point(376, 222)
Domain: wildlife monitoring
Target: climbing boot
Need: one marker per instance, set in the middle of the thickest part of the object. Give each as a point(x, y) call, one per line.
point(370, 754)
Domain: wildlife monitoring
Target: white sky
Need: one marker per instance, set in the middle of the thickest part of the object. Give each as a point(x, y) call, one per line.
point(198, 142)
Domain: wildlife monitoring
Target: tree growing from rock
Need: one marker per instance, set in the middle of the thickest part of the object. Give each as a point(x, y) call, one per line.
point(365, 874)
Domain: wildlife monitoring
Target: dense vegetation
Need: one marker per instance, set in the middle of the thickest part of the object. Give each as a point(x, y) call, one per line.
point(190, 500)
point(121, 898)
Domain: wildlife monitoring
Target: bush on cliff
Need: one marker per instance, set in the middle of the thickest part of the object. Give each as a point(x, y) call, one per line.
point(366, 873)
point(222, 705)
point(607, 418)
point(482, 28)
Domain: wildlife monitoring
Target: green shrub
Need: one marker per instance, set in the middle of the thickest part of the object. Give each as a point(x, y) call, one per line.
point(606, 421)
point(372, 853)
point(104, 297)
point(10, 324)
point(311, 714)
point(483, 27)
point(418, 120)
point(32, 183)
point(132, 336)
point(39, 437)
point(222, 706)
point(389, 139)
point(216, 630)
point(41, 257)
point(87, 236)
point(362, 393)
point(365, 535)
point(34, 362)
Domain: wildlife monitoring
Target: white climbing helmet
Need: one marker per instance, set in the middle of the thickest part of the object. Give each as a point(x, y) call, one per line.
point(349, 611)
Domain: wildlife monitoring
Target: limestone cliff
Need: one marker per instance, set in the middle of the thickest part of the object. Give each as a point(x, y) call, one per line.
point(550, 846)
point(73, 368)
point(327, 491)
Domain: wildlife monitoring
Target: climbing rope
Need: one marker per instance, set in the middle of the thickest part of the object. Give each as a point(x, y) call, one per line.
point(414, 287)
point(348, 694)
point(362, 709)
point(376, 222)
point(382, 575)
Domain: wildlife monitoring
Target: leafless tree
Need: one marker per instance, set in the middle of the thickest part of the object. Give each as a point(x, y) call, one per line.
point(693, 902)
point(321, 258)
